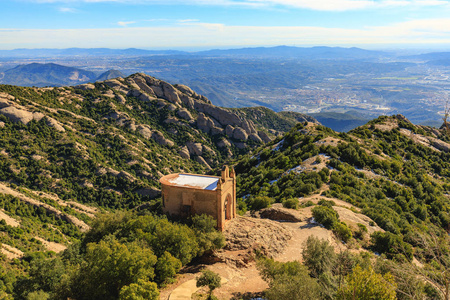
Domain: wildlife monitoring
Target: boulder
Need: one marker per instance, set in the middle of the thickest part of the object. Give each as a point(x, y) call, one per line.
point(254, 137)
point(146, 98)
point(20, 115)
point(267, 236)
point(280, 214)
point(185, 89)
point(4, 102)
point(145, 131)
point(184, 114)
point(170, 93)
point(171, 107)
point(223, 143)
point(116, 85)
point(160, 139)
point(188, 101)
point(229, 130)
point(204, 123)
point(55, 124)
point(2, 124)
point(85, 87)
point(216, 131)
point(134, 92)
point(223, 116)
point(195, 148)
point(141, 82)
point(158, 91)
point(121, 99)
point(208, 150)
point(240, 134)
point(203, 162)
point(109, 94)
point(184, 152)
point(441, 145)
point(264, 136)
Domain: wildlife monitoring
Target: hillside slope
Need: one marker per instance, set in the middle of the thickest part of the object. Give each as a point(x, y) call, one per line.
point(389, 170)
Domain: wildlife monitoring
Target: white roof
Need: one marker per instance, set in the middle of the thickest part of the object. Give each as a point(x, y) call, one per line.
point(195, 181)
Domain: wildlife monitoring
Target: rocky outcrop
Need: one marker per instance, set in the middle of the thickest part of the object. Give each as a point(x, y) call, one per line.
point(145, 131)
point(20, 114)
point(184, 152)
point(204, 123)
point(441, 145)
point(229, 131)
point(85, 87)
point(254, 137)
point(55, 124)
point(203, 162)
point(245, 233)
point(185, 114)
point(195, 148)
point(121, 118)
point(264, 136)
point(116, 85)
point(240, 134)
point(279, 214)
point(160, 139)
point(224, 143)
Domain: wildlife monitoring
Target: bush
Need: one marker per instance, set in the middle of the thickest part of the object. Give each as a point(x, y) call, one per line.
point(259, 202)
point(342, 232)
point(326, 216)
point(327, 203)
point(291, 203)
point(209, 279)
point(318, 256)
point(391, 245)
point(308, 203)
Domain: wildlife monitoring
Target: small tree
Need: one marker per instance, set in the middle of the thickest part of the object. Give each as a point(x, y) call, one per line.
point(210, 279)
point(366, 284)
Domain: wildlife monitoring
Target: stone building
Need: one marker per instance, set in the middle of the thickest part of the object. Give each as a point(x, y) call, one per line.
point(188, 194)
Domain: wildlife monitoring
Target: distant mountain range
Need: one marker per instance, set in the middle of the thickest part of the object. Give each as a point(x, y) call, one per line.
point(278, 51)
point(40, 75)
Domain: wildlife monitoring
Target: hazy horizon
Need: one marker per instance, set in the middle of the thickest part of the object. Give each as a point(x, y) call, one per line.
point(201, 24)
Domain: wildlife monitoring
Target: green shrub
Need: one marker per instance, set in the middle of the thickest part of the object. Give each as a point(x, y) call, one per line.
point(392, 245)
point(342, 232)
point(326, 216)
point(328, 203)
point(259, 202)
point(291, 203)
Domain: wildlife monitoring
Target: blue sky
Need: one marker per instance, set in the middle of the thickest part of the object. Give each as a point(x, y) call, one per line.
point(202, 24)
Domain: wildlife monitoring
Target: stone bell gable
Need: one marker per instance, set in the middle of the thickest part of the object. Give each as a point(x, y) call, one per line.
point(189, 194)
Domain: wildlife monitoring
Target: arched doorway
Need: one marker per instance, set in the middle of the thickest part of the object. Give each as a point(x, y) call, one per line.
point(228, 207)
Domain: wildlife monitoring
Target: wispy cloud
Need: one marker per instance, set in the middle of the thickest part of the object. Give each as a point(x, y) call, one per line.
point(125, 23)
point(68, 10)
point(188, 20)
point(320, 5)
point(426, 32)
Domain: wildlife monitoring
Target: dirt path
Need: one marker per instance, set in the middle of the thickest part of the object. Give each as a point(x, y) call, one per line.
point(301, 231)
point(11, 252)
point(9, 221)
point(184, 291)
point(52, 246)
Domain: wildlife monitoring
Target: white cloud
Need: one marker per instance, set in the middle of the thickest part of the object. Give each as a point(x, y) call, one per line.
point(321, 5)
point(188, 21)
point(124, 24)
point(188, 35)
point(67, 10)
